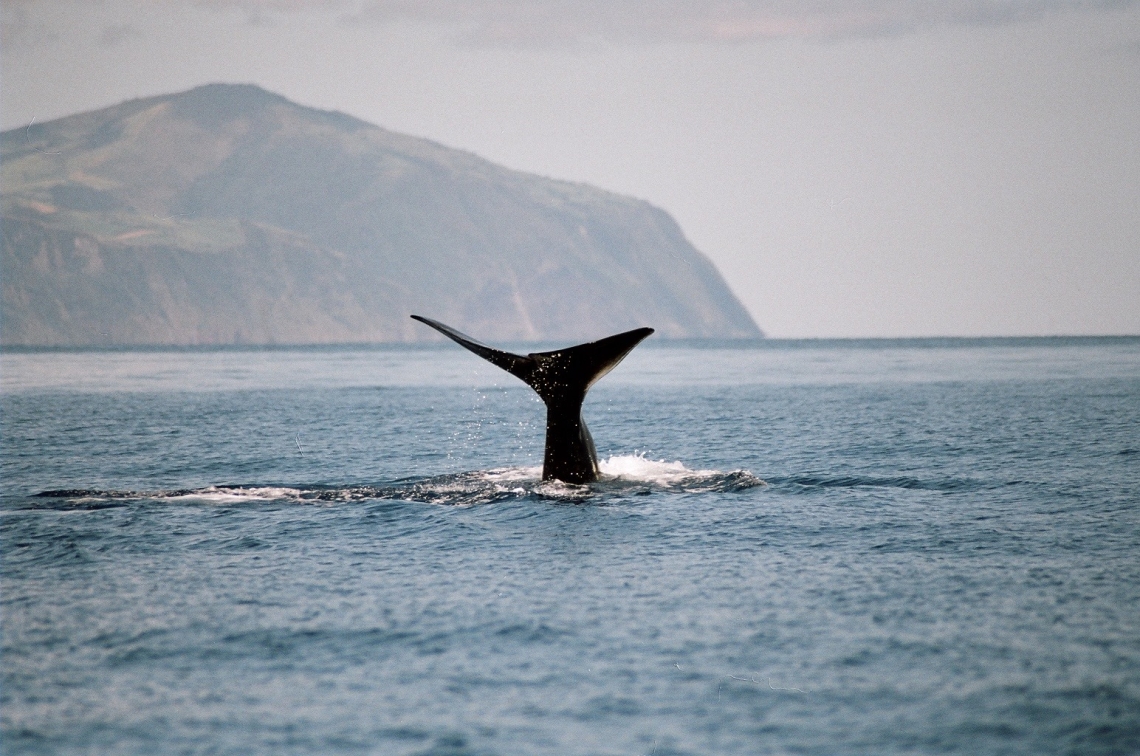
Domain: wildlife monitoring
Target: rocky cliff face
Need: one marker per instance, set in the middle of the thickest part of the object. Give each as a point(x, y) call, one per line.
point(228, 214)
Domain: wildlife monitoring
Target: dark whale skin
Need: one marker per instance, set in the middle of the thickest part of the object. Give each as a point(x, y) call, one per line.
point(561, 378)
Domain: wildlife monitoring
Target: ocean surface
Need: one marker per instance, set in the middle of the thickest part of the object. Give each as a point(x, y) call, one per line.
point(799, 547)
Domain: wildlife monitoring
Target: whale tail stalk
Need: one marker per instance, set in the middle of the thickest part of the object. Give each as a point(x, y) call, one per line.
point(561, 378)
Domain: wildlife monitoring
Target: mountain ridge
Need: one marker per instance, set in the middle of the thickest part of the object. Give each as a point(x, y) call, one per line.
point(228, 214)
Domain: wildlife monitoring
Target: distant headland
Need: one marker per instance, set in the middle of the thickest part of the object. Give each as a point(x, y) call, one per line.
point(229, 215)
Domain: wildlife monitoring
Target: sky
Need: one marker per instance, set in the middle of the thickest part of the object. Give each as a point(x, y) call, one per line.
point(854, 168)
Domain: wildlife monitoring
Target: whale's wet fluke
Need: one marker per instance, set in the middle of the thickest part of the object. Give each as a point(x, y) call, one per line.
point(561, 378)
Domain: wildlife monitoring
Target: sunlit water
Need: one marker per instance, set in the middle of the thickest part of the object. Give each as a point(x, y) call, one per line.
point(797, 547)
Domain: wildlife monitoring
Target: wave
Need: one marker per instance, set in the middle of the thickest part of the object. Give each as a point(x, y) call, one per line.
point(621, 475)
point(946, 485)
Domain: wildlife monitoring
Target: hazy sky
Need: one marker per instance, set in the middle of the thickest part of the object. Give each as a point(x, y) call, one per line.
point(853, 167)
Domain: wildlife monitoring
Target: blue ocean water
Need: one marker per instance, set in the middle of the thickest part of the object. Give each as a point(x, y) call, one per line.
point(926, 546)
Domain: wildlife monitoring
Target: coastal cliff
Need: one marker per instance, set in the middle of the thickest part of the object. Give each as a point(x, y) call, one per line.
point(228, 214)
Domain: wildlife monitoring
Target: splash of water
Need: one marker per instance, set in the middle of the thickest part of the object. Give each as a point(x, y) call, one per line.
point(639, 468)
point(620, 474)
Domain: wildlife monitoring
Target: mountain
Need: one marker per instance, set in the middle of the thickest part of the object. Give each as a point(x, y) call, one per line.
point(228, 214)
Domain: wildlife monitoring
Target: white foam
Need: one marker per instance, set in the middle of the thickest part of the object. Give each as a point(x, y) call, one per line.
point(512, 474)
point(639, 468)
point(216, 495)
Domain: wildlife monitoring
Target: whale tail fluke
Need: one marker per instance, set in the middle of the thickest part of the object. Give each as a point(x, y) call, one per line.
point(515, 364)
point(561, 378)
point(553, 373)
